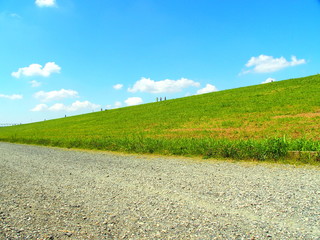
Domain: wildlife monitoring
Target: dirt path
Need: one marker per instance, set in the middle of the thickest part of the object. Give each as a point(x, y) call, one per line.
point(48, 193)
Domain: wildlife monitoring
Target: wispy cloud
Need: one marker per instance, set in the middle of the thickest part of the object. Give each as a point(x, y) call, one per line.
point(45, 3)
point(35, 83)
point(37, 70)
point(9, 15)
point(11, 97)
point(15, 15)
point(118, 86)
point(163, 86)
point(207, 89)
point(133, 101)
point(116, 105)
point(55, 95)
point(76, 106)
point(266, 64)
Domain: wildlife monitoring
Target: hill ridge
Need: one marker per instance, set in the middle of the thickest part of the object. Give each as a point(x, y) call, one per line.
point(287, 110)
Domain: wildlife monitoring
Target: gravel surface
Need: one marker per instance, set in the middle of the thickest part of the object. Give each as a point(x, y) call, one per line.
point(48, 193)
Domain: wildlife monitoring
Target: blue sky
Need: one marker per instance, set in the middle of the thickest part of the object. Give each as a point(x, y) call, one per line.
point(68, 57)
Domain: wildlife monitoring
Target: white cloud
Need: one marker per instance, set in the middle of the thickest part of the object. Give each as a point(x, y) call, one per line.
point(133, 101)
point(37, 70)
point(268, 80)
point(118, 86)
point(208, 88)
point(39, 108)
point(58, 107)
point(76, 106)
point(11, 97)
point(35, 83)
point(55, 95)
point(266, 64)
point(117, 104)
point(163, 86)
point(45, 3)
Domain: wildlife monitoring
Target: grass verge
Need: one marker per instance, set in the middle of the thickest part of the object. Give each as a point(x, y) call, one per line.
point(294, 151)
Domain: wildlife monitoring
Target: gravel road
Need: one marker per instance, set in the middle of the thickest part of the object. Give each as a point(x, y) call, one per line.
point(49, 193)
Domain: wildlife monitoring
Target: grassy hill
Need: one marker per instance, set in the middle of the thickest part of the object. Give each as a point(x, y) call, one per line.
point(260, 122)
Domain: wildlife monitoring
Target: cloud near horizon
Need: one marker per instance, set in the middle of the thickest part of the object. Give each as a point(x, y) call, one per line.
point(11, 97)
point(164, 86)
point(55, 95)
point(133, 101)
point(117, 104)
point(207, 89)
point(268, 80)
point(37, 70)
point(76, 106)
point(45, 3)
point(267, 64)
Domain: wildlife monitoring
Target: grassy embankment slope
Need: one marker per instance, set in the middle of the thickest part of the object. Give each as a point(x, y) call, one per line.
point(257, 122)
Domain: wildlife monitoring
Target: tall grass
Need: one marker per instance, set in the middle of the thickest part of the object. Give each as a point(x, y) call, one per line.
point(262, 150)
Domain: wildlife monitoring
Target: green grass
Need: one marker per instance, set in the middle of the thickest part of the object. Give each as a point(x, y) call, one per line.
point(260, 122)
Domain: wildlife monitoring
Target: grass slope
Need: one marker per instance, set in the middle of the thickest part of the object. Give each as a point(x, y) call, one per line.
point(259, 122)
